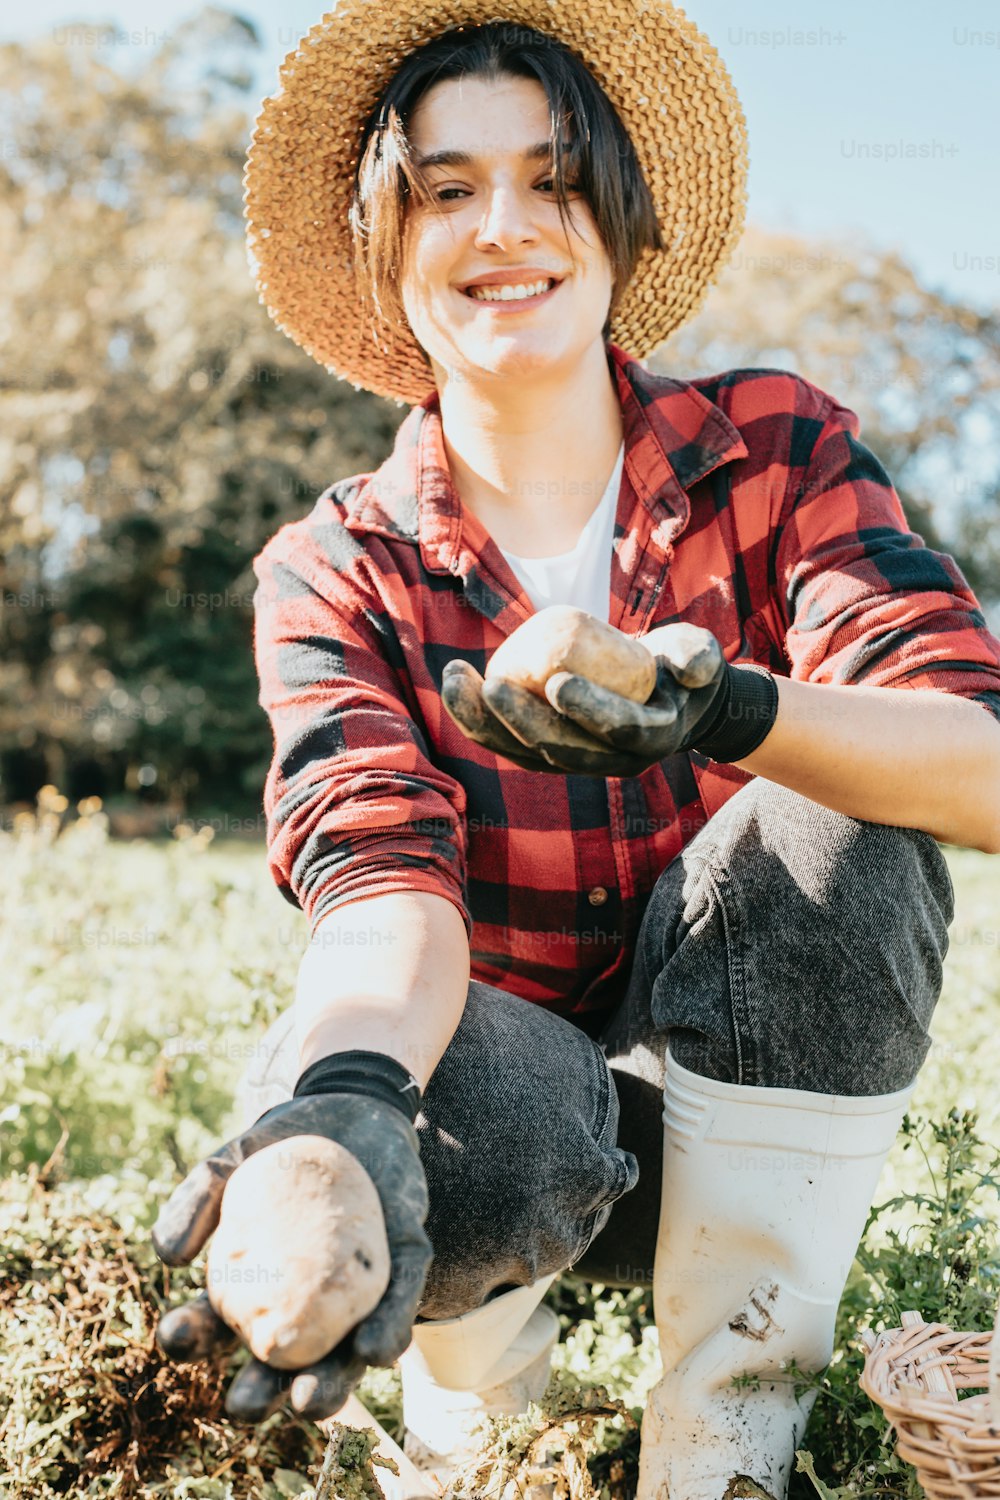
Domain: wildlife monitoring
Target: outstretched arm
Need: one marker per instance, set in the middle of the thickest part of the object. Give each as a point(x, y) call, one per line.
point(917, 758)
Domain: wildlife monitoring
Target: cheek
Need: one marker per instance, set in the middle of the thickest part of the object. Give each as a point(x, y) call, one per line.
point(589, 236)
point(585, 241)
point(428, 254)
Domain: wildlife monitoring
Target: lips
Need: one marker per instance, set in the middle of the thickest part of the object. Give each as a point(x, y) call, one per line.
point(513, 304)
point(494, 281)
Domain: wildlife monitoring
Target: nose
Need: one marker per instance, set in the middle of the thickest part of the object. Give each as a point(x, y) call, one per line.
point(507, 218)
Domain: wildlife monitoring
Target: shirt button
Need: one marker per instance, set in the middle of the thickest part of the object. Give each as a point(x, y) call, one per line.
point(597, 896)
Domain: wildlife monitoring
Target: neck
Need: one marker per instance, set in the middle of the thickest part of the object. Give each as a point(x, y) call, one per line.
point(524, 443)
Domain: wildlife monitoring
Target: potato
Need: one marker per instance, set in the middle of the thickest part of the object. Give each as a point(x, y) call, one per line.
point(563, 638)
point(300, 1254)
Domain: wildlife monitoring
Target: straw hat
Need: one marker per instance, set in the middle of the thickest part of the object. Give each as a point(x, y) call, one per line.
point(664, 78)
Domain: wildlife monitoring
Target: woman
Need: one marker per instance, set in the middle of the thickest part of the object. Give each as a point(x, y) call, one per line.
point(515, 905)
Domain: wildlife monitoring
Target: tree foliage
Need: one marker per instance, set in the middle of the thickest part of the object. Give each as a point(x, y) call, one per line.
point(156, 427)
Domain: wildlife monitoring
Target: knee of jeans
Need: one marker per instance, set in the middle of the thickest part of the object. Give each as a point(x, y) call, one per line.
point(899, 934)
point(838, 929)
point(892, 884)
point(518, 1139)
point(905, 903)
point(828, 855)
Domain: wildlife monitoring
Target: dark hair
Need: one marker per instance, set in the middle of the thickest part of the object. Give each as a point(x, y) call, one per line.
point(590, 147)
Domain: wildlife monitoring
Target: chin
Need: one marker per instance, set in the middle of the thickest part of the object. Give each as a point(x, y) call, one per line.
point(512, 356)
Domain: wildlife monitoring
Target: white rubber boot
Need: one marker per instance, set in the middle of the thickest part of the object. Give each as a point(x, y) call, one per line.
point(488, 1362)
point(765, 1196)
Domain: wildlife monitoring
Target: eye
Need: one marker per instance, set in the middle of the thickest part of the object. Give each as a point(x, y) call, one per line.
point(442, 194)
point(571, 187)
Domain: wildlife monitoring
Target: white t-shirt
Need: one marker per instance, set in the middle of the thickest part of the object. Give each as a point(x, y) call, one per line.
point(583, 575)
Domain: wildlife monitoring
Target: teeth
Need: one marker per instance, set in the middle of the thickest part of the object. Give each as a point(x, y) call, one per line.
point(509, 293)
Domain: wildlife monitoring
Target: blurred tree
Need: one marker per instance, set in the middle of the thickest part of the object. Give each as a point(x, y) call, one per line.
point(921, 370)
point(156, 427)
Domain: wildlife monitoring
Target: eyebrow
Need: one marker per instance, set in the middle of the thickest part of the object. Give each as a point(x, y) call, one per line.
point(466, 158)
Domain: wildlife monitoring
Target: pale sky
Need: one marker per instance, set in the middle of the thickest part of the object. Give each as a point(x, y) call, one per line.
point(875, 119)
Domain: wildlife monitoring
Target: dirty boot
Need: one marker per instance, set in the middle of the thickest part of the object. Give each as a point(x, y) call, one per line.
point(765, 1196)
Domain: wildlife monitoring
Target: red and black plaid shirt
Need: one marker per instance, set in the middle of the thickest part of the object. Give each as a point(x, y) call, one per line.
point(747, 505)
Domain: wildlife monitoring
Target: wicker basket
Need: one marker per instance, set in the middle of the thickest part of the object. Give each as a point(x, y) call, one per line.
point(915, 1373)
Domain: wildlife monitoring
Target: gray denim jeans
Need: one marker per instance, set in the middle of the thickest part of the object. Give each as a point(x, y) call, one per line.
point(787, 946)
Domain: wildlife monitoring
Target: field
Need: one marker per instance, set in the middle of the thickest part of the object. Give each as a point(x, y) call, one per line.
point(138, 979)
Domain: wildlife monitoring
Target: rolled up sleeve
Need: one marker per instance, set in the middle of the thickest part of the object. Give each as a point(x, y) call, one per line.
point(354, 805)
point(864, 598)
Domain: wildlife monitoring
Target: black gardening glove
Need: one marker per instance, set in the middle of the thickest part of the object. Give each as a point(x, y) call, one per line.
point(366, 1102)
point(700, 702)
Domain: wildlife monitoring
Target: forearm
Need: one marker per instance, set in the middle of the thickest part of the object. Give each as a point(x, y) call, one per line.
point(914, 758)
point(387, 974)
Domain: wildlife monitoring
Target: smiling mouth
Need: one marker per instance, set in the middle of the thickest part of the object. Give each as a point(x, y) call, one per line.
point(510, 296)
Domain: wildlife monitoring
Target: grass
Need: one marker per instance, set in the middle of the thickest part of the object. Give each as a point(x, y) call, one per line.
point(138, 980)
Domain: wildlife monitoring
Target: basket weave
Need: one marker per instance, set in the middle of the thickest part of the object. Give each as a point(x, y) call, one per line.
point(915, 1373)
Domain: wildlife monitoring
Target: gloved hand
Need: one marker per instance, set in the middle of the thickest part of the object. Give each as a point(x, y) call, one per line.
point(700, 702)
point(366, 1102)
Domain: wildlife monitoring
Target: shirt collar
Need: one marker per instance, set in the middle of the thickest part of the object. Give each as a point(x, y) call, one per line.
point(674, 436)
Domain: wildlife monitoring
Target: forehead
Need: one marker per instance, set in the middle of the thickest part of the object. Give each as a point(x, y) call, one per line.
point(483, 117)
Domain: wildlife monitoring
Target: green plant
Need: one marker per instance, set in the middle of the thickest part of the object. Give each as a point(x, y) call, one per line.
point(935, 1249)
